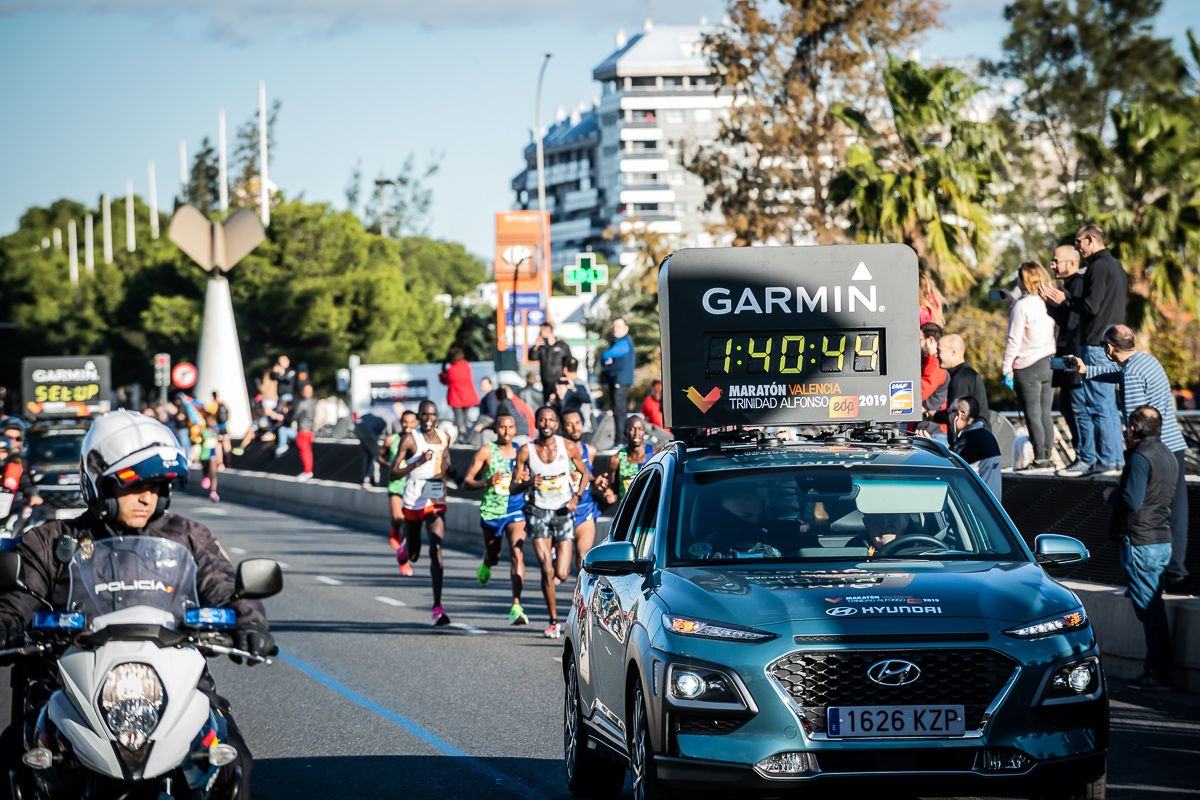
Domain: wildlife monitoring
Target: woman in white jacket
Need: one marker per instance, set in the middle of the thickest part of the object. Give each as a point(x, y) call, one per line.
point(1027, 360)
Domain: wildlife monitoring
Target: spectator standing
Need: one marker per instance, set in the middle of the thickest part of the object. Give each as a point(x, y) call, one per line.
point(964, 381)
point(1027, 360)
point(306, 417)
point(549, 352)
point(934, 380)
point(1142, 521)
point(974, 441)
point(220, 415)
point(1071, 400)
point(531, 392)
point(616, 368)
point(1102, 303)
point(930, 301)
point(571, 394)
point(284, 376)
point(268, 390)
point(460, 388)
point(370, 430)
point(652, 410)
point(1141, 380)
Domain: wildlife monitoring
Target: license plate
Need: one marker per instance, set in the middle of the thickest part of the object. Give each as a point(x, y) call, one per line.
point(68, 513)
point(847, 721)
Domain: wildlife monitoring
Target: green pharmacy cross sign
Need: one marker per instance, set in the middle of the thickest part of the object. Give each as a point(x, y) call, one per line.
point(586, 275)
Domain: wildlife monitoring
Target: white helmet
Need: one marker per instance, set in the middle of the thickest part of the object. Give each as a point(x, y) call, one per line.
point(123, 448)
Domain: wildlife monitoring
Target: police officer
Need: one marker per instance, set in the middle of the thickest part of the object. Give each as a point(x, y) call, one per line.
point(127, 464)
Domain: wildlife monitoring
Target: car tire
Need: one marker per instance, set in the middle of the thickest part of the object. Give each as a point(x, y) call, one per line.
point(588, 774)
point(1096, 789)
point(643, 773)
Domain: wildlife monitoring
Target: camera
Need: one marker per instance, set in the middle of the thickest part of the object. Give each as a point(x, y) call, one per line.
point(1058, 363)
point(998, 295)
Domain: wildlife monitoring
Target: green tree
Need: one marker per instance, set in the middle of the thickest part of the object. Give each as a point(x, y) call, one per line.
point(244, 164)
point(204, 182)
point(786, 63)
point(1145, 194)
point(929, 178)
point(401, 204)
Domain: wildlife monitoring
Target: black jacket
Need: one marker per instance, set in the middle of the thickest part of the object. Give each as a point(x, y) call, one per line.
point(964, 382)
point(550, 358)
point(1142, 500)
point(46, 576)
point(1105, 289)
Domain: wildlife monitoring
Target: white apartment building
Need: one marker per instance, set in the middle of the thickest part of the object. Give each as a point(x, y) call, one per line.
point(618, 163)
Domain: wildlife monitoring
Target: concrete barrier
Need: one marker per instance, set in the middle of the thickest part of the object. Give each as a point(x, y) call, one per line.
point(1117, 629)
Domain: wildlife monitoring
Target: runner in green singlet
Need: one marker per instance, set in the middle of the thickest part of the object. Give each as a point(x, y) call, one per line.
point(627, 462)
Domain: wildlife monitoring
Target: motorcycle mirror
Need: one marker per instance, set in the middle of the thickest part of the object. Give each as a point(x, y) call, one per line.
point(10, 572)
point(258, 578)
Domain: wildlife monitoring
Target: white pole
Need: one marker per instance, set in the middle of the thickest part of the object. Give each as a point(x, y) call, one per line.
point(106, 207)
point(183, 170)
point(57, 238)
point(73, 252)
point(223, 189)
point(153, 202)
point(130, 244)
point(89, 256)
point(264, 197)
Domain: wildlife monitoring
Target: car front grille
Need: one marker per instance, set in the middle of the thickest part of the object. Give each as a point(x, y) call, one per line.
point(814, 681)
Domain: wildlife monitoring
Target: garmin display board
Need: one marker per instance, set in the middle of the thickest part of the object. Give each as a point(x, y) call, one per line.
point(65, 386)
point(790, 335)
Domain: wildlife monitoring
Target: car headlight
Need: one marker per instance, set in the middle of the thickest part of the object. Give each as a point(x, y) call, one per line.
point(1077, 680)
point(132, 700)
point(1062, 623)
point(690, 626)
point(707, 687)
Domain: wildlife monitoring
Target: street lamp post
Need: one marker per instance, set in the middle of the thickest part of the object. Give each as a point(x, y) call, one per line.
point(541, 175)
point(380, 183)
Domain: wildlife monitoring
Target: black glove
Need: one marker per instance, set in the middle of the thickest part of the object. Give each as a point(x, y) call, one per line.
point(12, 634)
point(254, 641)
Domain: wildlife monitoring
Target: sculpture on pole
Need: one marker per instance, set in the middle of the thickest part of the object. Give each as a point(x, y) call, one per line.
point(216, 247)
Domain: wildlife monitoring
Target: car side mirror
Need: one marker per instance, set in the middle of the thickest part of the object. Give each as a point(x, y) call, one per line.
point(258, 578)
point(615, 558)
point(10, 572)
point(1054, 550)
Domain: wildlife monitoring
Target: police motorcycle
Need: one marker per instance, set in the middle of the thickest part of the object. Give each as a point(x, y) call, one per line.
point(127, 718)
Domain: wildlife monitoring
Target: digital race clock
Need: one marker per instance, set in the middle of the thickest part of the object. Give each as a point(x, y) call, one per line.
point(785, 335)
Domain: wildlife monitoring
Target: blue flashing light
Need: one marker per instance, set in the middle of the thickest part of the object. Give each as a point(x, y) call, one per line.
point(210, 618)
point(58, 620)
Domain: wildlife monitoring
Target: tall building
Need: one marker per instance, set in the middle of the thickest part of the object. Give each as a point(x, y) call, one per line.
point(617, 164)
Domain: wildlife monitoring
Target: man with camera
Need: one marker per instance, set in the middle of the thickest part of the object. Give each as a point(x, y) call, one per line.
point(549, 352)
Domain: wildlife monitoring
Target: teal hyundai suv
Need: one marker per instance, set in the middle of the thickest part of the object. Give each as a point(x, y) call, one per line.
point(769, 614)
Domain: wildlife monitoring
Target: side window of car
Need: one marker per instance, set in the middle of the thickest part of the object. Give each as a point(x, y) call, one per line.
point(622, 530)
point(647, 517)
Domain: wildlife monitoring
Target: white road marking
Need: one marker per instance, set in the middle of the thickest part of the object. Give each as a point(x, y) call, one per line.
point(391, 601)
point(329, 581)
point(216, 512)
point(462, 626)
point(238, 551)
point(558, 659)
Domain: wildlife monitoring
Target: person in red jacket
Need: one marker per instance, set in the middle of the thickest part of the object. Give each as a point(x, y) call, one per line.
point(652, 405)
point(460, 388)
point(935, 381)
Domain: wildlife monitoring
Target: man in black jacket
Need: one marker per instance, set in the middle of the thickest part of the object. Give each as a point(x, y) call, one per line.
point(1071, 400)
point(1142, 521)
point(549, 352)
point(964, 380)
point(128, 463)
point(1102, 303)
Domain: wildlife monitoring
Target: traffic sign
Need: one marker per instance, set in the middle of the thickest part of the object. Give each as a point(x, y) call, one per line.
point(524, 300)
point(586, 275)
point(184, 375)
point(533, 316)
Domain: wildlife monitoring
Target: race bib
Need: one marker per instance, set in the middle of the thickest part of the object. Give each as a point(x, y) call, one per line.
point(505, 482)
point(554, 483)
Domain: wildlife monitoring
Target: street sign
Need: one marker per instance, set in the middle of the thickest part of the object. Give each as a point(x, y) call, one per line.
point(586, 275)
point(522, 300)
point(184, 375)
point(533, 316)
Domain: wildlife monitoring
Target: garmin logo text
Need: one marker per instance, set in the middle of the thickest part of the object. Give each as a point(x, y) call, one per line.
point(771, 299)
point(87, 373)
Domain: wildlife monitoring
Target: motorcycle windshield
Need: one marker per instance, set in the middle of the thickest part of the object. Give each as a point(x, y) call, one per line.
point(126, 571)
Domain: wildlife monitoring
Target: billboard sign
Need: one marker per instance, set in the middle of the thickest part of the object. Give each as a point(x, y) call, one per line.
point(66, 386)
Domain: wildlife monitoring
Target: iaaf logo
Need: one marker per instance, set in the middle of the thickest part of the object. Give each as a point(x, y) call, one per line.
point(144, 585)
point(795, 300)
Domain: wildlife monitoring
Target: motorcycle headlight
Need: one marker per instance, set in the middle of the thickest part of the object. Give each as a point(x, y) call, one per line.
point(1063, 623)
point(132, 700)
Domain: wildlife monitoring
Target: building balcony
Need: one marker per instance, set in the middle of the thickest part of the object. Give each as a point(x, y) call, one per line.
point(580, 200)
point(571, 230)
point(647, 196)
point(644, 162)
point(632, 133)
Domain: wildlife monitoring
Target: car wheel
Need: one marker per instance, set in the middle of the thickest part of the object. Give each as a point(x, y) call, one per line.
point(588, 774)
point(1092, 790)
point(646, 785)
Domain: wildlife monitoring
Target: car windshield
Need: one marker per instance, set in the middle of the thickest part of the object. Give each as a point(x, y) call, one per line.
point(55, 449)
point(837, 513)
point(127, 571)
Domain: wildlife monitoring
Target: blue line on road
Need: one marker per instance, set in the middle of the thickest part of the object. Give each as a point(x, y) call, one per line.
point(434, 741)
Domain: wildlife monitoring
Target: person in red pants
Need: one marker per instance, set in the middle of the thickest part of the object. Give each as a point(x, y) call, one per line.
point(306, 416)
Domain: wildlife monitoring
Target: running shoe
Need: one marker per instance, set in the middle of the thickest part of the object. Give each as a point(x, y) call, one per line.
point(397, 543)
point(483, 574)
point(554, 631)
point(205, 483)
point(1077, 470)
point(517, 615)
point(239, 451)
point(440, 617)
point(216, 498)
point(405, 568)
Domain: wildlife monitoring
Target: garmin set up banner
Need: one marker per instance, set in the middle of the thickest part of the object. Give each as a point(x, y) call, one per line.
point(790, 335)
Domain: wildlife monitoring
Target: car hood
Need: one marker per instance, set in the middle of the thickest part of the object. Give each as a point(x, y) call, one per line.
point(1005, 592)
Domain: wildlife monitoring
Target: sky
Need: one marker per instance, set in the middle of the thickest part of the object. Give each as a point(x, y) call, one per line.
point(95, 89)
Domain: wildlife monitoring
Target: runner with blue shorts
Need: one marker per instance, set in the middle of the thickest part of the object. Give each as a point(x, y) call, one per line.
point(500, 512)
point(587, 511)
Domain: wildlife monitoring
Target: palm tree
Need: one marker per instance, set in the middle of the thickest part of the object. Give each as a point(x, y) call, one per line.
point(1145, 194)
point(930, 179)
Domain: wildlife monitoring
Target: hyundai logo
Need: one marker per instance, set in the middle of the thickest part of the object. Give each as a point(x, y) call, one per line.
point(894, 672)
point(841, 611)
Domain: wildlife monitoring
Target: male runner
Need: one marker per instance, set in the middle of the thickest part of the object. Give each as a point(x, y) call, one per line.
point(424, 499)
point(586, 511)
point(390, 461)
point(500, 513)
point(627, 462)
point(545, 465)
